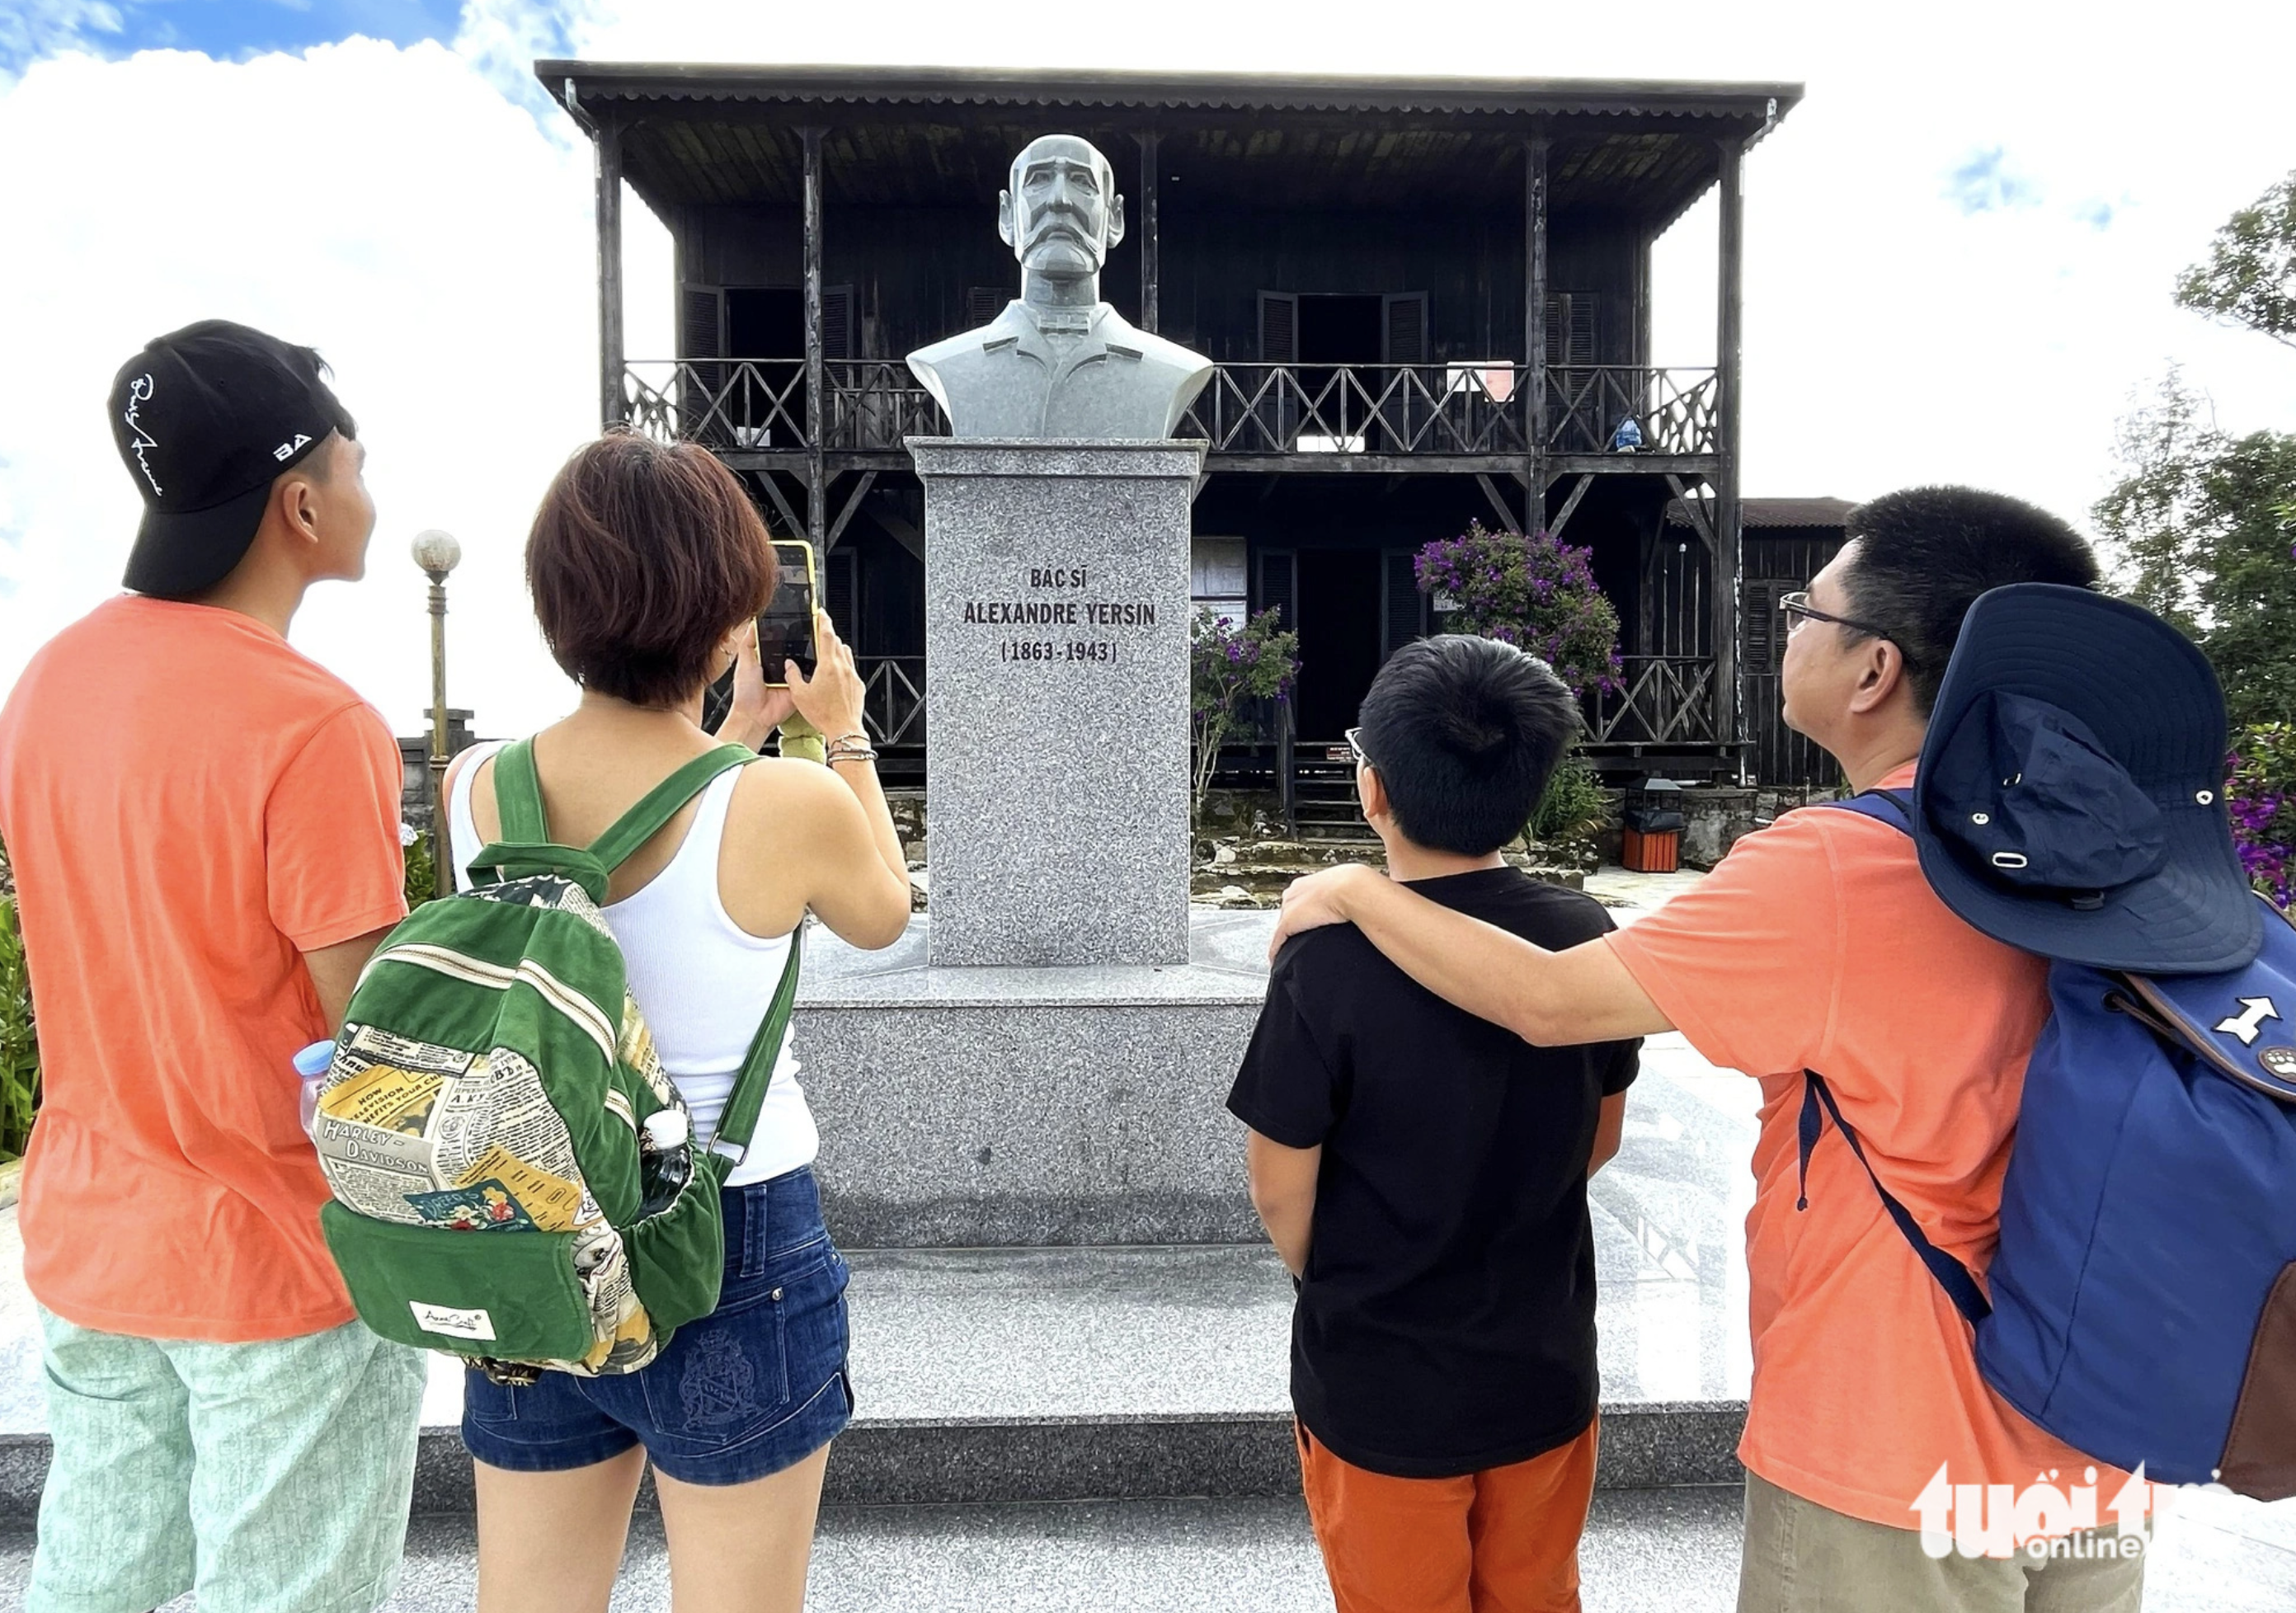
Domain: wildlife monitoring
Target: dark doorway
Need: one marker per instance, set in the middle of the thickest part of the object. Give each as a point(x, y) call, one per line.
point(767, 323)
point(1339, 637)
point(1340, 330)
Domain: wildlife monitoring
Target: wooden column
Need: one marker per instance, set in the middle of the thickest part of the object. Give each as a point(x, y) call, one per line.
point(817, 392)
point(1728, 413)
point(1534, 325)
point(1150, 141)
point(611, 409)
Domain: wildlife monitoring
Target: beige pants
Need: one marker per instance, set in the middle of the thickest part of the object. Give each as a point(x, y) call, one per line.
point(1803, 1558)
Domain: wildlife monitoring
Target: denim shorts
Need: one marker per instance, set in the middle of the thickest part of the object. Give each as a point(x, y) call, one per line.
point(755, 1386)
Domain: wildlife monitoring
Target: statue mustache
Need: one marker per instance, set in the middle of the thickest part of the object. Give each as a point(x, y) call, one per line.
point(1059, 220)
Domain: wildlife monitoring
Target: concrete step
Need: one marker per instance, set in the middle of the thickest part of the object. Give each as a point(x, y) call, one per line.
point(1675, 1549)
point(1059, 1374)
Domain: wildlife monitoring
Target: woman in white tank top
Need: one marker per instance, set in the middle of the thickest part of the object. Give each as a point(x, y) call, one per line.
point(648, 565)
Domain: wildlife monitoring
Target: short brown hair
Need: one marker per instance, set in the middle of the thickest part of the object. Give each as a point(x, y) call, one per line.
point(643, 556)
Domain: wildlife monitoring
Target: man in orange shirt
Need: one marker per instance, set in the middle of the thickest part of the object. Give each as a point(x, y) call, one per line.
point(203, 825)
point(1817, 944)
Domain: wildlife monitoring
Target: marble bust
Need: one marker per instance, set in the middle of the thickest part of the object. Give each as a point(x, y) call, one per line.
point(1058, 362)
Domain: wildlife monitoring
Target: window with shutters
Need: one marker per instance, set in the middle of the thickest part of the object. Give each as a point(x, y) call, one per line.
point(1218, 577)
point(983, 304)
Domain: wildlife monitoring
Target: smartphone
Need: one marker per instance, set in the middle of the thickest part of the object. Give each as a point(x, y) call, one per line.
point(785, 628)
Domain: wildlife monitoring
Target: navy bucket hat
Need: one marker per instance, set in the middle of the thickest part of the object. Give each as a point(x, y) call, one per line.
point(2070, 796)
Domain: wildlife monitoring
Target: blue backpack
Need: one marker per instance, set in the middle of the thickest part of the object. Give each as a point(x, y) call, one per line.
point(2143, 1294)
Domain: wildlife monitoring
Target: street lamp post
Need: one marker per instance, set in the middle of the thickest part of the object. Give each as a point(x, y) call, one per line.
point(438, 554)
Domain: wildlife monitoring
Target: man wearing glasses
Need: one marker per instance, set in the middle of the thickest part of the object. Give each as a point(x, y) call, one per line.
point(1817, 944)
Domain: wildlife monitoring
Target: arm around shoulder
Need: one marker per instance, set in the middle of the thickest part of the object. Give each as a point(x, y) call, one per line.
point(1550, 999)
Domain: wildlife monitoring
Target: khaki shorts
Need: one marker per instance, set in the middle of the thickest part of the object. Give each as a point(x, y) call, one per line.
point(1803, 1558)
point(270, 1477)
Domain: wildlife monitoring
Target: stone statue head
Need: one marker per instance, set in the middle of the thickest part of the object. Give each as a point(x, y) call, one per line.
point(1061, 213)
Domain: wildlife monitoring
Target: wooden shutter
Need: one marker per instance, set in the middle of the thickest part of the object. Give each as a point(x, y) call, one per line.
point(1403, 614)
point(701, 321)
point(836, 323)
point(1279, 327)
point(983, 304)
point(1279, 587)
point(1403, 336)
point(702, 335)
point(1573, 327)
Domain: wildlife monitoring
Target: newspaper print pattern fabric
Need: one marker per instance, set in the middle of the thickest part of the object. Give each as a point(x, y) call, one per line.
point(419, 1134)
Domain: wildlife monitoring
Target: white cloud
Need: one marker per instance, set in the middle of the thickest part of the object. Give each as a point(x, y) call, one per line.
point(422, 216)
point(389, 206)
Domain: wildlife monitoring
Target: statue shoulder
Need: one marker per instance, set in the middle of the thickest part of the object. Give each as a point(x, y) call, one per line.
point(967, 344)
point(1168, 356)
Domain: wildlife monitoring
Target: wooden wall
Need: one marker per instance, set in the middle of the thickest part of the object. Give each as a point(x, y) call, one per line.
point(911, 267)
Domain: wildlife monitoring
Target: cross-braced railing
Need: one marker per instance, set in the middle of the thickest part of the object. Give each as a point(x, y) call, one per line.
point(893, 698)
point(720, 403)
point(1673, 409)
point(1660, 699)
point(1420, 410)
point(1417, 409)
point(876, 404)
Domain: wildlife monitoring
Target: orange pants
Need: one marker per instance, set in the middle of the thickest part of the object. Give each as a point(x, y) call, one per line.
point(1505, 1540)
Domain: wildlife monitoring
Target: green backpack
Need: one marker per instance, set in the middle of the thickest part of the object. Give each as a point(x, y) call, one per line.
point(481, 1123)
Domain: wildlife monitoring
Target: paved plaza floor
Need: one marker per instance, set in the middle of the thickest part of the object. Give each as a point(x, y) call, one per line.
point(1058, 1336)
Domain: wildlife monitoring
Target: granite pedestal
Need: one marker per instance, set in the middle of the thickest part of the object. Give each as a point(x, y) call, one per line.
point(980, 1107)
point(1056, 655)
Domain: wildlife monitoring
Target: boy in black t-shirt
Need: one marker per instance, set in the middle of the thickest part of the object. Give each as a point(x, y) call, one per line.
point(1424, 1175)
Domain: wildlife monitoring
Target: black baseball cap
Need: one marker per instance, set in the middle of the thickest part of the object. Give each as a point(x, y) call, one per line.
point(206, 419)
point(2070, 795)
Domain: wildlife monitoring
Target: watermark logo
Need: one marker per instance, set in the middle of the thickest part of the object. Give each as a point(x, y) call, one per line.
point(2046, 1519)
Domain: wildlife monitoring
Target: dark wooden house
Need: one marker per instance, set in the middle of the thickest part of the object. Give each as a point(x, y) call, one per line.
point(1429, 300)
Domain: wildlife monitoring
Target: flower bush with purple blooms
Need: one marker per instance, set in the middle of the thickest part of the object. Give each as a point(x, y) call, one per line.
point(2262, 797)
point(1530, 592)
point(1228, 668)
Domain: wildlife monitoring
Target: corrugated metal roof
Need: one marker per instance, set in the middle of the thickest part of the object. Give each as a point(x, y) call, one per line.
point(1767, 512)
point(1758, 102)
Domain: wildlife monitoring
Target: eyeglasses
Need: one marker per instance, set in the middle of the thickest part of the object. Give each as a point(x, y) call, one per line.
point(1356, 745)
point(1799, 609)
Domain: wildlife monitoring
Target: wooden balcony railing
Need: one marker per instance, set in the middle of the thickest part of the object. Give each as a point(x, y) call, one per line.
point(892, 698)
point(1662, 700)
point(1421, 411)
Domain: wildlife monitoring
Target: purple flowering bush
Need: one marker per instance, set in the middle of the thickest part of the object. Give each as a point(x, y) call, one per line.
point(2262, 797)
point(1529, 591)
point(1228, 669)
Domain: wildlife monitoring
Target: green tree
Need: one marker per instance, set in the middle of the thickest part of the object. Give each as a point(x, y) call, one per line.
point(2250, 276)
point(2200, 528)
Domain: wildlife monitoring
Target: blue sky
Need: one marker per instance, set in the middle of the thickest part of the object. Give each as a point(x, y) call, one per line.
point(233, 30)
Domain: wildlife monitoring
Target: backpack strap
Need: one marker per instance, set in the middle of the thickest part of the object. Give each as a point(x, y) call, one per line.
point(1894, 807)
point(738, 1121)
point(662, 803)
point(1953, 1277)
point(522, 847)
